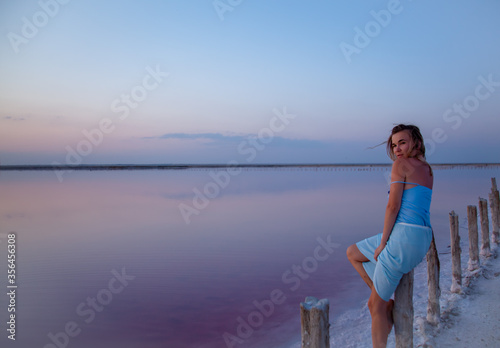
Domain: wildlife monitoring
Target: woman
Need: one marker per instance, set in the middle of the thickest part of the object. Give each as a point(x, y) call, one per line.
point(383, 259)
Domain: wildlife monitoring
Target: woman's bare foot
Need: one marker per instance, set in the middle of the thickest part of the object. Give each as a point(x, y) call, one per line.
point(390, 318)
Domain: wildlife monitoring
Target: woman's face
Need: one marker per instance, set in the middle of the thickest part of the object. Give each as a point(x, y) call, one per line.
point(401, 143)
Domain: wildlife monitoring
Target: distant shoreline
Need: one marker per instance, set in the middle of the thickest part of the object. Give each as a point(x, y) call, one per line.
point(91, 167)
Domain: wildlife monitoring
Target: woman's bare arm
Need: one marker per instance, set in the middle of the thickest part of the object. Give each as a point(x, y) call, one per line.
point(398, 173)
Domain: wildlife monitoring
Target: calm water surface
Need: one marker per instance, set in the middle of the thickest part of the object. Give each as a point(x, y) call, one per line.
point(108, 259)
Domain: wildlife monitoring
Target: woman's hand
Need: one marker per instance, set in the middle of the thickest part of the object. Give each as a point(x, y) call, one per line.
point(378, 251)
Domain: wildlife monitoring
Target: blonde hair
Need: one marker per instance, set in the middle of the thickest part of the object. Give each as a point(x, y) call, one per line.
point(416, 143)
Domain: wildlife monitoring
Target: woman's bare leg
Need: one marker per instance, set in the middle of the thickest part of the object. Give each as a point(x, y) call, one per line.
point(390, 318)
point(381, 319)
point(357, 258)
point(380, 310)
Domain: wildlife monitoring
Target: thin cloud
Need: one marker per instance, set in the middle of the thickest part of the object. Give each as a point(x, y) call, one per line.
point(14, 118)
point(220, 139)
point(199, 136)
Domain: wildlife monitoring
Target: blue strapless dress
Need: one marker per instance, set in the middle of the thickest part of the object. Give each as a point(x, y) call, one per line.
point(408, 243)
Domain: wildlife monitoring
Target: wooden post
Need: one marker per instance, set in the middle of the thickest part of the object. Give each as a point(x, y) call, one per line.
point(485, 227)
point(315, 325)
point(403, 312)
point(433, 308)
point(456, 264)
point(495, 212)
point(473, 238)
point(495, 234)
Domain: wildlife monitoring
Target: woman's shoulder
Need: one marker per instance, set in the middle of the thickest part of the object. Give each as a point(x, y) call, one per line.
point(407, 165)
point(410, 167)
point(411, 162)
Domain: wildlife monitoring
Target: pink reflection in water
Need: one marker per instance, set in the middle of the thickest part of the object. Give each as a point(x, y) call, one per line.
point(194, 281)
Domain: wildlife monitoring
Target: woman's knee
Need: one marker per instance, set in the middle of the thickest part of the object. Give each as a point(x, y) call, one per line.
point(351, 252)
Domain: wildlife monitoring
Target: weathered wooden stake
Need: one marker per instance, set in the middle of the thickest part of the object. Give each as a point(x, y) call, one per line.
point(403, 312)
point(315, 325)
point(456, 264)
point(495, 234)
point(473, 263)
point(485, 227)
point(495, 212)
point(433, 308)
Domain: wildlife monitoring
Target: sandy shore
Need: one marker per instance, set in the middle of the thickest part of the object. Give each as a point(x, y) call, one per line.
point(468, 320)
point(472, 318)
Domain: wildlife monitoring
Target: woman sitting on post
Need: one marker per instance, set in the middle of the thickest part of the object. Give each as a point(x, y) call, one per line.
point(383, 259)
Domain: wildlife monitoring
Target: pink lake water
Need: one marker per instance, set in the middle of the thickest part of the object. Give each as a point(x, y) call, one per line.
point(107, 259)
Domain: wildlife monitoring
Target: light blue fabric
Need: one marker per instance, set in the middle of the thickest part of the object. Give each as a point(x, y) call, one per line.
point(415, 205)
point(405, 249)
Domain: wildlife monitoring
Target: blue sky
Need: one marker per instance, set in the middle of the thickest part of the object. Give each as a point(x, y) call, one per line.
point(196, 81)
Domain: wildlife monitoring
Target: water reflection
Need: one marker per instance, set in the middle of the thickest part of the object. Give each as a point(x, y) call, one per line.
point(194, 284)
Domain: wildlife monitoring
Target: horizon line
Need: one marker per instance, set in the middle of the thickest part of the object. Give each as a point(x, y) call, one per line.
point(41, 167)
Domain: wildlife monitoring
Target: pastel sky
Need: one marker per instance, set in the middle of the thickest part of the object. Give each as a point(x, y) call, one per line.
point(282, 81)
